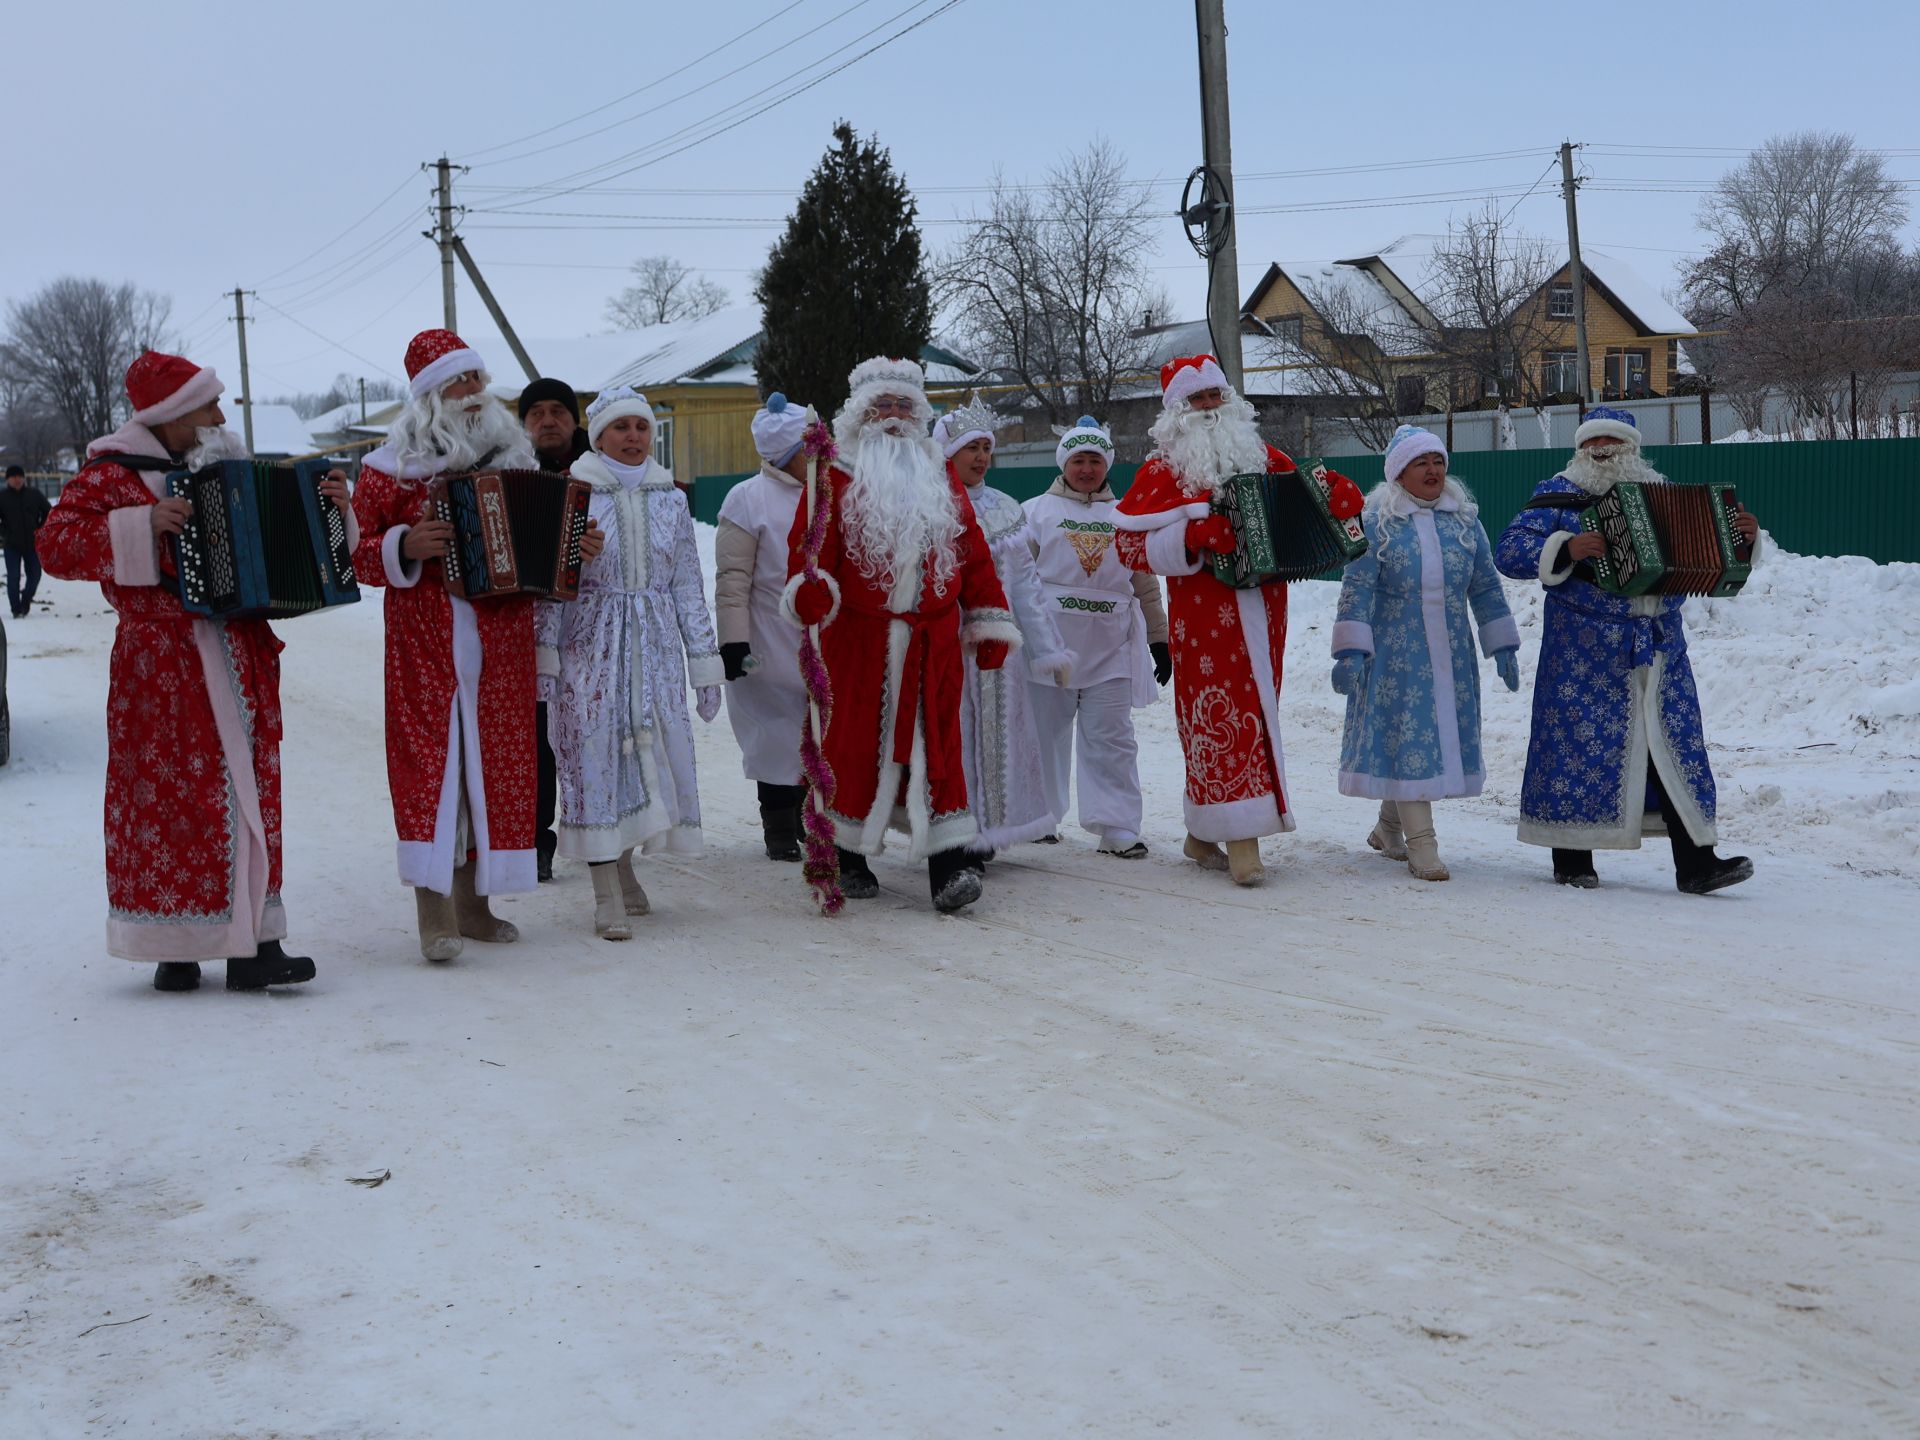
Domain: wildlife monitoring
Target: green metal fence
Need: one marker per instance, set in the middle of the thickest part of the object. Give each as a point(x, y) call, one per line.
point(1816, 497)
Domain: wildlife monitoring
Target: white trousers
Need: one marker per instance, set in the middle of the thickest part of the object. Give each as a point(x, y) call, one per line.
point(1098, 723)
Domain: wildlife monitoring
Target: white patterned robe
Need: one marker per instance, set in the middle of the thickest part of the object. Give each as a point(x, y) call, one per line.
point(621, 657)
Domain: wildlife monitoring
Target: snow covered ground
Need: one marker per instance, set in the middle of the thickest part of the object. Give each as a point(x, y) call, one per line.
point(1121, 1151)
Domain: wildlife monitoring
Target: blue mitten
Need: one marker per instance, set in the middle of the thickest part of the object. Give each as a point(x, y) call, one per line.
point(1350, 672)
point(1507, 662)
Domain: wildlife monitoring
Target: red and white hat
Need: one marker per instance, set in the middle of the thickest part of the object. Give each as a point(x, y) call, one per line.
point(436, 356)
point(1189, 374)
point(164, 387)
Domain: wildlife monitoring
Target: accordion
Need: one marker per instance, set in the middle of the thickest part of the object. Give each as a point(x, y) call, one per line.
point(1666, 539)
point(1283, 528)
point(515, 532)
point(262, 542)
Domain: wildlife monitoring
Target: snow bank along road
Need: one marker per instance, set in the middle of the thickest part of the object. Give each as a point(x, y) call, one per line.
point(1121, 1151)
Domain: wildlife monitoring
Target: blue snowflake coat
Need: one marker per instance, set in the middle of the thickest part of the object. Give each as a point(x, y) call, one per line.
point(1613, 689)
point(1413, 729)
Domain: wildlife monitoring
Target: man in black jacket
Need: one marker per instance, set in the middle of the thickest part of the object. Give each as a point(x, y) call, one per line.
point(551, 412)
point(23, 510)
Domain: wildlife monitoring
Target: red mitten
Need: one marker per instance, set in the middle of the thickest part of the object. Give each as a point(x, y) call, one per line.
point(1343, 496)
point(1214, 533)
point(812, 601)
point(990, 654)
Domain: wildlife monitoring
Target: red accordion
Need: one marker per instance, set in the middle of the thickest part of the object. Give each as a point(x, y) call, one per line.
point(515, 532)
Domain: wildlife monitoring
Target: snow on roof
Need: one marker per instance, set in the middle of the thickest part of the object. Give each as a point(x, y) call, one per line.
point(1302, 375)
point(277, 429)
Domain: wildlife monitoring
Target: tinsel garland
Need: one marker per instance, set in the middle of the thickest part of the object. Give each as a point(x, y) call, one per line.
point(822, 867)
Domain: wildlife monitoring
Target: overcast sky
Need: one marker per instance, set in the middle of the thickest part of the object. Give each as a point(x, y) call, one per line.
point(189, 151)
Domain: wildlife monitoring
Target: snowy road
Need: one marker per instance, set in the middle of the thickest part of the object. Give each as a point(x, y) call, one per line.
point(1122, 1151)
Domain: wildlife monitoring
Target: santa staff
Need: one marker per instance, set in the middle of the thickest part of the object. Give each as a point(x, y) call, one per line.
point(1228, 644)
point(459, 677)
point(193, 706)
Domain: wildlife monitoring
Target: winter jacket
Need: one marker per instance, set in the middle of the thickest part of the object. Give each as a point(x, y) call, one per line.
point(22, 513)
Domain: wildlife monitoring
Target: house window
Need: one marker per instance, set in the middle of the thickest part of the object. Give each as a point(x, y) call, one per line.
point(1409, 395)
point(1285, 327)
point(1626, 374)
point(663, 439)
point(1560, 300)
point(1560, 372)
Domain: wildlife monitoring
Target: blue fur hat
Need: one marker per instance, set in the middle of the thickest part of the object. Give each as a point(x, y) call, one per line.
point(1409, 443)
point(1604, 421)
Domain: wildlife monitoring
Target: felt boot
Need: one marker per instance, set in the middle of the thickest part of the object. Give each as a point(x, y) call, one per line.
point(439, 932)
point(631, 895)
point(953, 880)
point(1422, 849)
point(1205, 854)
point(857, 880)
point(780, 819)
point(1575, 868)
point(476, 921)
point(1243, 859)
point(176, 975)
point(609, 908)
point(1386, 835)
point(269, 965)
point(1714, 872)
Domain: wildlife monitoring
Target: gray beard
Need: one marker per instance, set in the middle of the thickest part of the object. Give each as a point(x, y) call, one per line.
point(1596, 477)
point(214, 443)
point(462, 432)
point(899, 509)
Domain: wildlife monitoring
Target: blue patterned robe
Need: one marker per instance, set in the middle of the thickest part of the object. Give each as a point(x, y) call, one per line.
point(1613, 688)
point(1413, 729)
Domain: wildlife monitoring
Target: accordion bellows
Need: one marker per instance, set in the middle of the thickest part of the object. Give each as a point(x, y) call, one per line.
point(1667, 539)
point(1284, 528)
point(515, 532)
point(261, 543)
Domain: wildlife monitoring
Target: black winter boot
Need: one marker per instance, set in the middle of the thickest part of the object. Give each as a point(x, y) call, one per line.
point(780, 819)
point(1713, 872)
point(176, 975)
point(270, 966)
point(856, 877)
point(954, 881)
point(1575, 868)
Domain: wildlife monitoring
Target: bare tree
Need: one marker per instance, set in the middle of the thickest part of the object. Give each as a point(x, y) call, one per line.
point(664, 290)
point(67, 350)
point(1049, 287)
point(1355, 345)
point(1486, 289)
point(309, 403)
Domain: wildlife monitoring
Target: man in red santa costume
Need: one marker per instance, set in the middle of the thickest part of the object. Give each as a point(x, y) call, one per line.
point(906, 586)
point(193, 705)
point(1228, 644)
point(460, 677)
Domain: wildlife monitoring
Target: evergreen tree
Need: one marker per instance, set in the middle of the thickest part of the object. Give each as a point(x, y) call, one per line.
point(846, 281)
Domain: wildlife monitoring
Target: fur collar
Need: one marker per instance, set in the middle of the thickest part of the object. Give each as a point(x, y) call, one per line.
point(1060, 487)
point(592, 469)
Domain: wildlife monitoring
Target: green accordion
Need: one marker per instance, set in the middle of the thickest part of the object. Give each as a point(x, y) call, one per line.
point(1283, 528)
point(1666, 539)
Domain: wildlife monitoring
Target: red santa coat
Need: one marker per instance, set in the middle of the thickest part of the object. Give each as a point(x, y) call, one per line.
point(193, 731)
point(460, 682)
point(1228, 649)
point(893, 654)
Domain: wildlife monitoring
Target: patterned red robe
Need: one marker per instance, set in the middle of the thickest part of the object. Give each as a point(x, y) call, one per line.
point(1228, 649)
point(893, 763)
point(193, 731)
point(460, 683)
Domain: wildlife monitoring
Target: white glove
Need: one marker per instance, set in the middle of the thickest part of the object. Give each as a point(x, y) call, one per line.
point(707, 702)
point(543, 688)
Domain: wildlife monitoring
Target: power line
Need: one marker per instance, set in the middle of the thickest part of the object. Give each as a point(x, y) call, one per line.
point(343, 234)
point(334, 343)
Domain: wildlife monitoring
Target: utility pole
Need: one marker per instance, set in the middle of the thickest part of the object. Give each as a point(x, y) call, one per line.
point(1223, 268)
point(1567, 186)
point(246, 389)
point(493, 309)
point(363, 399)
point(442, 233)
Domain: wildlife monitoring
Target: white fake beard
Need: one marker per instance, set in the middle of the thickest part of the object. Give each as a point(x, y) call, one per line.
point(1596, 475)
point(1204, 447)
point(463, 432)
point(899, 506)
point(214, 443)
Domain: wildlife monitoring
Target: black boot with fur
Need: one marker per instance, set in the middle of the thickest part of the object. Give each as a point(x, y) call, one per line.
point(270, 965)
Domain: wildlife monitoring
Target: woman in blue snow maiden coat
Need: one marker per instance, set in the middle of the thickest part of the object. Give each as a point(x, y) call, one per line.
point(1617, 749)
point(1403, 649)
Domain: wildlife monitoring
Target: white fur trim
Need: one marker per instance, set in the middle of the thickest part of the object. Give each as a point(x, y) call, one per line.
point(1160, 519)
point(402, 574)
point(1236, 819)
point(953, 446)
point(546, 660)
point(1253, 629)
point(1352, 635)
point(983, 625)
point(450, 366)
point(1612, 429)
point(706, 670)
point(136, 553)
point(203, 387)
point(631, 405)
point(1167, 552)
point(1550, 556)
point(1498, 635)
point(1191, 379)
point(788, 613)
point(1410, 449)
point(1433, 619)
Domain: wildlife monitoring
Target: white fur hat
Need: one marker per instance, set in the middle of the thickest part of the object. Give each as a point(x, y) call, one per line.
point(777, 428)
point(610, 405)
point(1087, 433)
point(1605, 421)
point(1409, 443)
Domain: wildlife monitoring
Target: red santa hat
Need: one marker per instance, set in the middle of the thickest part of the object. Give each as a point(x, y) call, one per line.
point(1189, 374)
point(436, 356)
point(164, 387)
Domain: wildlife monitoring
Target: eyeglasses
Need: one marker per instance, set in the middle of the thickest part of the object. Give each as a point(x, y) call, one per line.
point(891, 405)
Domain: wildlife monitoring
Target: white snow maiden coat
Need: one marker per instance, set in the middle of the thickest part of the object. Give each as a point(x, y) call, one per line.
point(1105, 612)
point(1413, 727)
point(999, 745)
point(768, 705)
point(622, 656)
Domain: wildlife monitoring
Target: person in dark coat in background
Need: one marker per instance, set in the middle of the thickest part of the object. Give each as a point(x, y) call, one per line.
point(551, 412)
point(23, 510)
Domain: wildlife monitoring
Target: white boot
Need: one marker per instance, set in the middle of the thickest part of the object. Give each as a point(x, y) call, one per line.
point(476, 920)
point(1243, 859)
point(1386, 835)
point(1423, 851)
point(631, 894)
point(439, 932)
point(1204, 853)
point(609, 909)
